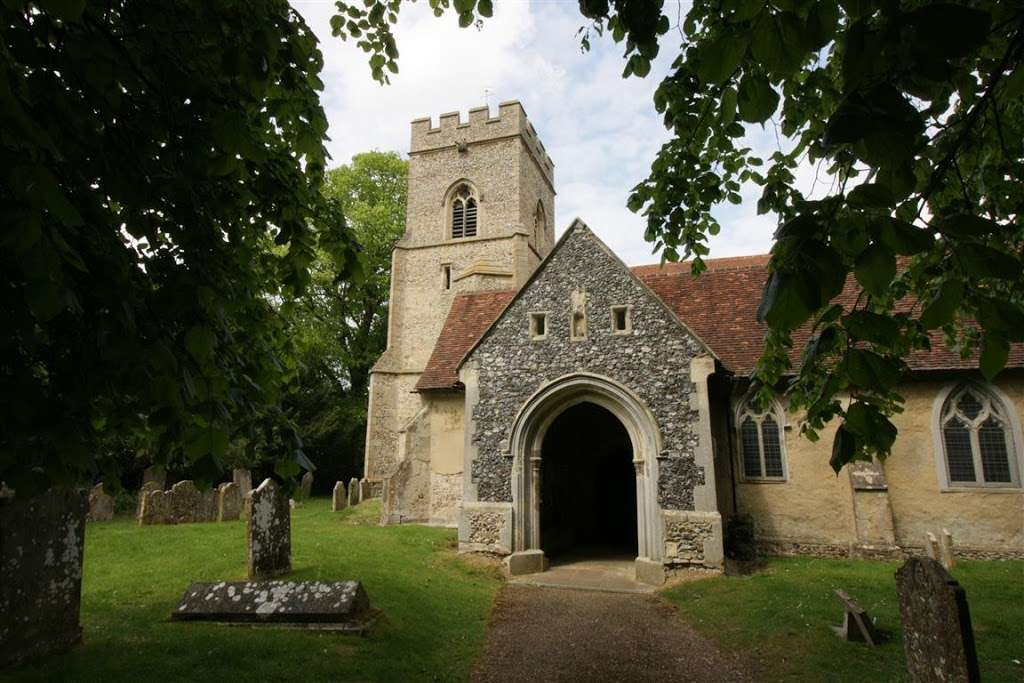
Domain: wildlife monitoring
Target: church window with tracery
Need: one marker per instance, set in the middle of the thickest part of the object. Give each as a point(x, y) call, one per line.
point(760, 439)
point(977, 440)
point(463, 212)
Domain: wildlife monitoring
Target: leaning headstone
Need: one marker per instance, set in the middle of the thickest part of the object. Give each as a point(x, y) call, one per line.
point(365, 490)
point(339, 499)
point(269, 532)
point(306, 487)
point(288, 602)
point(41, 541)
point(857, 627)
point(946, 546)
point(155, 475)
point(353, 491)
point(932, 546)
point(101, 506)
point(229, 502)
point(247, 506)
point(243, 480)
point(937, 635)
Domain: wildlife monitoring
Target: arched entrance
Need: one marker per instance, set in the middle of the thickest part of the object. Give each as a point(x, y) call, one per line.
point(588, 487)
point(530, 460)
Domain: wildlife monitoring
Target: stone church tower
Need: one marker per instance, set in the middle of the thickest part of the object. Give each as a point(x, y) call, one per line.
point(479, 218)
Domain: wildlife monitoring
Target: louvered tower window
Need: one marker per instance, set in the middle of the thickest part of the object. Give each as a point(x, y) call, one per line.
point(977, 440)
point(464, 213)
point(760, 441)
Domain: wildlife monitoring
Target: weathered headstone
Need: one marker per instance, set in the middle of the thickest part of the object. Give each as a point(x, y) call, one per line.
point(290, 602)
point(269, 532)
point(184, 503)
point(242, 479)
point(946, 546)
point(41, 541)
point(229, 502)
point(857, 627)
point(932, 546)
point(937, 634)
point(155, 475)
point(147, 487)
point(365, 490)
point(306, 487)
point(339, 498)
point(353, 491)
point(101, 506)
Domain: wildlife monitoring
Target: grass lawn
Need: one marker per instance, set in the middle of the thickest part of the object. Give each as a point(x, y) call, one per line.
point(778, 618)
point(434, 604)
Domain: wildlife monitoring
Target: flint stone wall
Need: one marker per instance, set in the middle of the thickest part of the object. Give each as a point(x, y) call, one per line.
point(652, 361)
point(269, 532)
point(684, 540)
point(41, 544)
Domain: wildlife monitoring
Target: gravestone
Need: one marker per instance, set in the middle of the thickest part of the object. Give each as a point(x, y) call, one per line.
point(353, 491)
point(947, 558)
point(243, 480)
point(247, 505)
point(147, 487)
point(155, 475)
point(365, 490)
point(269, 532)
point(339, 499)
point(306, 487)
point(41, 542)
point(288, 602)
point(101, 506)
point(857, 627)
point(184, 503)
point(229, 502)
point(937, 635)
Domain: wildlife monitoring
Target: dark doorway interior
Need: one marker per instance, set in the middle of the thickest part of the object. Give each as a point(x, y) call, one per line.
point(588, 486)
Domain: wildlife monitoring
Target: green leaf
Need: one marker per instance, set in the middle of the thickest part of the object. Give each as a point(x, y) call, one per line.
point(981, 261)
point(870, 425)
point(200, 342)
point(947, 30)
point(65, 10)
point(905, 239)
point(485, 8)
point(875, 268)
point(727, 107)
point(869, 370)
point(871, 196)
point(966, 226)
point(942, 308)
point(844, 448)
point(872, 327)
point(788, 300)
point(720, 58)
point(822, 23)
point(994, 353)
point(999, 315)
point(757, 99)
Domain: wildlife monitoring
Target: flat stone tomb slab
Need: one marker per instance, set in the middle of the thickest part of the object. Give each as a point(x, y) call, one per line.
point(275, 602)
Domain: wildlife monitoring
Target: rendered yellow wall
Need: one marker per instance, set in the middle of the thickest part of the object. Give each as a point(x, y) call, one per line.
point(977, 517)
point(446, 439)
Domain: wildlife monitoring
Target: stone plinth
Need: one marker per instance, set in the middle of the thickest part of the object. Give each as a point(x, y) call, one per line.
point(353, 491)
point(41, 543)
point(937, 634)
point(229, 502)
point(269, 532)
point(339, 602)
point(101, 506)
point(339, 498)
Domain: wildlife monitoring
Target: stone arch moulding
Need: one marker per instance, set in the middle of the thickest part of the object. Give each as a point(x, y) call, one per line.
point(524, 447)
point(446, 206)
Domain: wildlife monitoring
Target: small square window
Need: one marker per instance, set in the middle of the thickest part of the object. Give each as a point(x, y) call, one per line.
point(446, 276)
point(538, 326)
point(621, 320)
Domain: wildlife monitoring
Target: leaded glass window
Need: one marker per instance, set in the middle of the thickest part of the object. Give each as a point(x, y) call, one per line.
point(463, 212)
point(977, 439)
point(761, 444)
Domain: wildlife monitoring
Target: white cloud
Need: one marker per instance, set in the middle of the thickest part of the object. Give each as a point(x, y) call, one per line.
point(601, 130)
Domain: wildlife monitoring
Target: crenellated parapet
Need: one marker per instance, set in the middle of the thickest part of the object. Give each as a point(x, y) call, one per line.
point(480, 126)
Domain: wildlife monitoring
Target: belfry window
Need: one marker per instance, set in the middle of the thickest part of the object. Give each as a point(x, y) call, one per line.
point(977, 440)
point(760, 440)
point(540, 225)
point(463, 212)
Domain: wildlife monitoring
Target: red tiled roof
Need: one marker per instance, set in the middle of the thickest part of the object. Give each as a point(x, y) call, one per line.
point(720, 307)
point(468, 318)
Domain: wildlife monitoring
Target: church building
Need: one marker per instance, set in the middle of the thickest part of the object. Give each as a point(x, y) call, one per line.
point(552, 402)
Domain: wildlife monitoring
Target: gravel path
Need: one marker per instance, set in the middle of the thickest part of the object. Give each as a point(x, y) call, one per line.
point(543, 634)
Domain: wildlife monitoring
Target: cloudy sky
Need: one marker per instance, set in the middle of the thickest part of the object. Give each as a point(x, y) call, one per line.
point(601, 131)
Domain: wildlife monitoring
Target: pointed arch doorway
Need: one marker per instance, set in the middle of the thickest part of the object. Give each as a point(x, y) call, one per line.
point(592, 421)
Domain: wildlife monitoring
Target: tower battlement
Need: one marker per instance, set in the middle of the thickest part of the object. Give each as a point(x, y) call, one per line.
point(452, 130)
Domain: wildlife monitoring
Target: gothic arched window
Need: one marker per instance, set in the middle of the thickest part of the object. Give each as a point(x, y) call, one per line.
point(761, 443)
point(463, 211)
point(977, 439)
